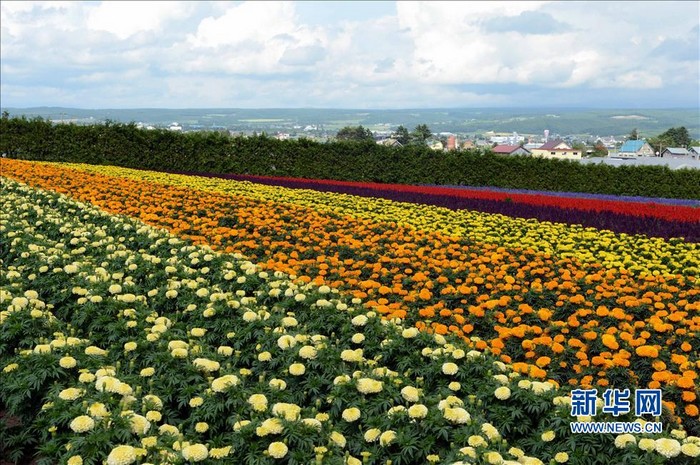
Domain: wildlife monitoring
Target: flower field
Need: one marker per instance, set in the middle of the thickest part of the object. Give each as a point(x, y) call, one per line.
point(157, 318)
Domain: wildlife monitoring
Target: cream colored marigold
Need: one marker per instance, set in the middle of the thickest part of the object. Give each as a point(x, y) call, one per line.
point(196, 402)
point(623, 440)
point(139, 424)
point(561, 457)
point(349, 355)
point(372, 434)
point(290, 412)
point(417, 411)
point(456, 415)
point(70, 394)
point(338, 439)
point(351, 414)
point(122, 455)
point(206, 365)
point(667, 447)
point(75, 460)
point(82, 424)
point(201, 427)
point(258, 402)
point(195, 452)
point(197, 332)
point(646, 444)
point(220, 452)
point(98, 410)
point(94, 350)
point(410, 394)
point(502, 393)
point(450, 368)
point(387, 437)
point(369, 386)
point(297, 369)
point(67, 362)
point(493, 458)
point(277, 450)
point(690, 449)
point(222, 383)
point(308, 352)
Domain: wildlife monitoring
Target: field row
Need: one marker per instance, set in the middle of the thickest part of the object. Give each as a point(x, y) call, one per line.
point(123, 344)
point(552, 317)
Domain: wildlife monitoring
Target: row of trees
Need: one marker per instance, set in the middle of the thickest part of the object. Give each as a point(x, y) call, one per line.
point(126, 145)
point(420, 134)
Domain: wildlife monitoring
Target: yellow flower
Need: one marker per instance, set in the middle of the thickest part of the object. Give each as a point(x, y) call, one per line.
point(690, 449)
point(548, 436)
point(168, 430)
point(153, 415)
point(308, 352)
point(372, 435)
point(286, 342)
point(667, 447)
point(75, 460)
point(67, 362)
point(432, 458)
point(196, 401)
point(369, 386)
point(646, 444)
point(456, 415)
point(224, 382)
point(277, 450)
point(206, 365)
point(417, 411)
point(86, 378)
point(502, 393)
point(387, 437)
point(359, 320)
point(493, 457)
point(351, 414)
point(410, 394)
point(179, 353)
point(82, 424)
point(139, 424)
point(476, 441)
point(338, 439)
point(40, 349)
point(198, 332)
point(278, 384)
point(70, 394)
point(130, 346)
point(561, 457)
point(98, 410)
point(449, 368)
point(195, 452)
point(623, 440)
point(290, 412)
point(146, 372)
point(297, 369)
point(11, 367)
point(149, 442)
point(220, 452)
point(226, 351)
point(269, 426)
point(240, 424)
point(94, 350)
point(264, 356)
point(358, 338)
point(258, 402)
point(122, 455)
point(201, 427)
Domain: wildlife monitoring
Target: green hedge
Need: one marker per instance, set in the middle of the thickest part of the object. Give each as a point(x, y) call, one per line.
point(126, 145)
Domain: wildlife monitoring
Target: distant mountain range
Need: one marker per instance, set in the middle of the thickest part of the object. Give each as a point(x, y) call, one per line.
point(601, 122)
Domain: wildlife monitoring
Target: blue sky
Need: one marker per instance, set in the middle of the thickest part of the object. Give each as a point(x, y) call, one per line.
point(378, 55)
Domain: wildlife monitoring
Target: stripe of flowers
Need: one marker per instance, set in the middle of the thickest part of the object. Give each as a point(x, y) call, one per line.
point(618, 222)
point(682, 213)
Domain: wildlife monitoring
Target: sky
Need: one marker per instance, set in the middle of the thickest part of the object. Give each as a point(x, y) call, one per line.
point(365, 55)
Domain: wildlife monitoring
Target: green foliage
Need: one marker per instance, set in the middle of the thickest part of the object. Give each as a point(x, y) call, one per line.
point(674, 137)
point(355, 133)
point(126, 145)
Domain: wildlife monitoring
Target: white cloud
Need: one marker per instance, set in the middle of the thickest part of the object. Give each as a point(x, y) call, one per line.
point(277, 54)
point(125, 18)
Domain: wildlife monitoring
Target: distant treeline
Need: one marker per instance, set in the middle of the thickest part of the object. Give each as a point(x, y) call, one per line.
point(128, 146)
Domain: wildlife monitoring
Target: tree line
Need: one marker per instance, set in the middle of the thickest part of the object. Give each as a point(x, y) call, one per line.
point(126, 145)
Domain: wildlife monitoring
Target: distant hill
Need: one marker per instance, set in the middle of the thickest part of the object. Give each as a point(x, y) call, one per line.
point(603, 122)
